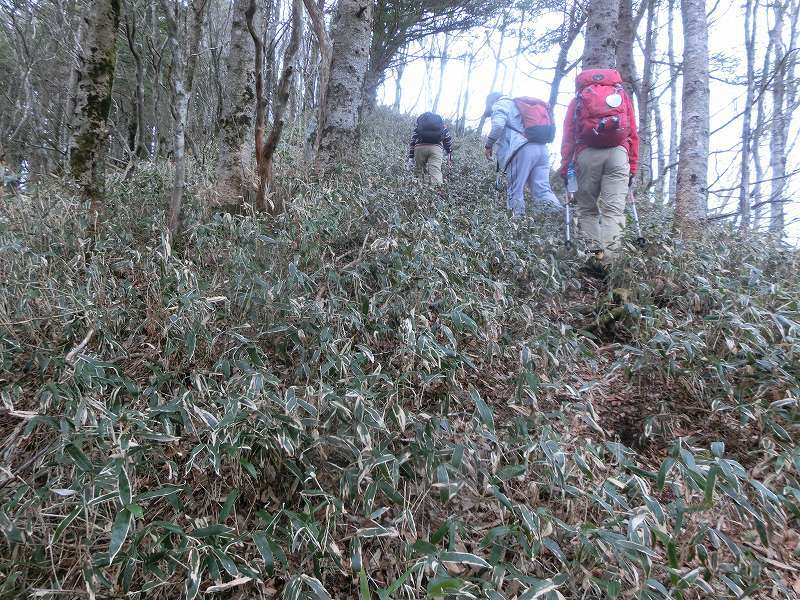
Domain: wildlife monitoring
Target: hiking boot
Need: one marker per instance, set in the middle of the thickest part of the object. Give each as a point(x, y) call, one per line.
point(595, 267)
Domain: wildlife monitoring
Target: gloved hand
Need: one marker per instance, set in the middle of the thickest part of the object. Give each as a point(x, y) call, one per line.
point(487, 150)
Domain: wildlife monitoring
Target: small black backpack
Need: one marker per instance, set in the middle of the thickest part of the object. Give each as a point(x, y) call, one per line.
point(430, 128)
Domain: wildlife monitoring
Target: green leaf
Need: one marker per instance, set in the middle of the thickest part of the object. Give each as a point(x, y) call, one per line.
point(363, 585)
point(78, 457)
point(65, 522)
point(666, 466)
point(228, 506)
point(119, 531)
point(464, 558)
point(124, 484)
point(541, 587)
point(445, 585)
point(260, 540)
point(511, 471)
point(484, 412)
point(711, 480)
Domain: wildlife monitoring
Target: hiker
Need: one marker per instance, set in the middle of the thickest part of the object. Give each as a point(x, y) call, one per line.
point(522, 128)
point(430, 142)
point(601, 145)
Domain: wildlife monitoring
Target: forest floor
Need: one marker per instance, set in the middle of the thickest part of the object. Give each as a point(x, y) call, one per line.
point(390, 391)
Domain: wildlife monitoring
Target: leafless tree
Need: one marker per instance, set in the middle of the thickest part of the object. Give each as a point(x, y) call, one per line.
point(265, 148)
point(691, 197)
point(180, 28)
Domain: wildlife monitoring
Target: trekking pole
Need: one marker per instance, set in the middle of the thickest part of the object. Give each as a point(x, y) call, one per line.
point(568, 223)
point(640, 241)
point(571, 184)
point(498, 184)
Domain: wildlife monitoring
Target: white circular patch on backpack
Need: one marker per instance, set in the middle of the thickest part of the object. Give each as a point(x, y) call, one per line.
point(613, 100)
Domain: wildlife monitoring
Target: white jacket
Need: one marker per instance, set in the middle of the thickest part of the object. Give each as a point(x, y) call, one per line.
point(504, 112)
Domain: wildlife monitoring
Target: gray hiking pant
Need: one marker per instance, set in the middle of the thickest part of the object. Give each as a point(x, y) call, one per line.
point(531, 167)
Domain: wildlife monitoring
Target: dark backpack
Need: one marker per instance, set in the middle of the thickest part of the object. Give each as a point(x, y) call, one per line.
point(537, 121)
point(602, 118)
point(430, 128)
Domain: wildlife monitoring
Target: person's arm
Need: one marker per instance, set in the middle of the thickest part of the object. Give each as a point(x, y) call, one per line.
point(447, 141)
point(500, 112)
point(633, 139)
point(568, 139)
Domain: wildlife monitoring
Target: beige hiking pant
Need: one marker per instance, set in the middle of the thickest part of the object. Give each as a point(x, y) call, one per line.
point(428, 159)
point(601, 196)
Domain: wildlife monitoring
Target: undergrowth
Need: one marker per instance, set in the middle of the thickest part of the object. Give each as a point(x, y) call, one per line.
point(390, 392)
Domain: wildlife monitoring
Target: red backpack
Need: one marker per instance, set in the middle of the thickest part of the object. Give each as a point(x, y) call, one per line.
point(537, 122)
point(602, 118)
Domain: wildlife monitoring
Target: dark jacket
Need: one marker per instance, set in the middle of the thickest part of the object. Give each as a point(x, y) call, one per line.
point(446, 143)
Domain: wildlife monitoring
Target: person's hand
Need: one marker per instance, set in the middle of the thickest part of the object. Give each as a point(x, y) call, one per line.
point(487, 150)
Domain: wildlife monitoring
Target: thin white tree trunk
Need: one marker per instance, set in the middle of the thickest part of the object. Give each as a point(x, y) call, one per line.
point(750, 23)
point(672, 161)
point(645, 172)
point(691, 198)
point(777, 143)
point(465, 105)
point(442, 66)
point(182, 77)
point(398, 85)
point(498, 61)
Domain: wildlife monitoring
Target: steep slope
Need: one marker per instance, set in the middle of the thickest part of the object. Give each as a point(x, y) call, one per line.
point(391, 391)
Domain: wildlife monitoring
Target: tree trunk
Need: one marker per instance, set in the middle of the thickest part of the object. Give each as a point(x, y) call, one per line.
point(660, 154)
point(465, 106)
point(645, 172)
point(626, 34)
point(672, 161)
point(237, 149)
point(266, 150)
point(600, 47)
point(442, 66)
point(97, 61)
point(398, 87)
point(691, 198)
point(750, 18)
point(777, 142)
point(270, 38)
point(352, 28)
point(157, 59)
point(323, 72)
point(140, 135)
point(182, 77)
point(67, 122)
point(520, 38)
point(498, 61)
